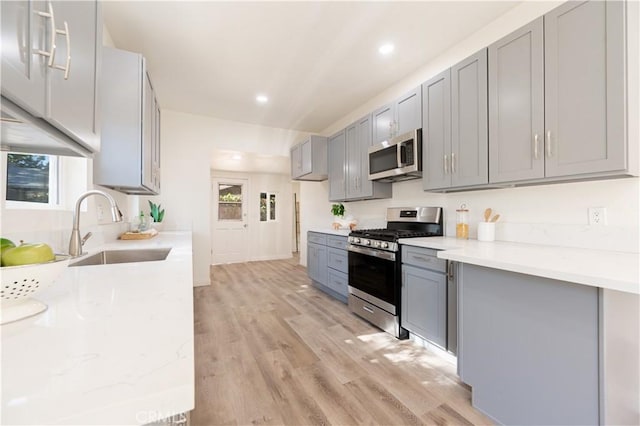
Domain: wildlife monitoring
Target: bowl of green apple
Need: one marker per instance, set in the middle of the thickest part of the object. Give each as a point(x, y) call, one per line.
point(26, 269)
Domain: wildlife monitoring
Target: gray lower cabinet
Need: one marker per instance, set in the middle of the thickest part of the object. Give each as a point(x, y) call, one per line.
point(424, 304)
point(348, 154)
point(455, 136)
point(529, 347)
point(53, 73)
point(556, 96)
point(423, 309)
point(309, 159)
point(327, 264)
point(129, 160)
point(398, 117)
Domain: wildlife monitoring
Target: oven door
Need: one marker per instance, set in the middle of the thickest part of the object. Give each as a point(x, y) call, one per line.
point(374, 277)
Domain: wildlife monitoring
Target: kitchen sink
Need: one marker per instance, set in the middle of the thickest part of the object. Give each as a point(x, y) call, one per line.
point(109, 257)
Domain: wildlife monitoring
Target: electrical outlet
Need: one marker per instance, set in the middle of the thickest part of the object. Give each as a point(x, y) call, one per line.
point(100, 212)
point(597, 216)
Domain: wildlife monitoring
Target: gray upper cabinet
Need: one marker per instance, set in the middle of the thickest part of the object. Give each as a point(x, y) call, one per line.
point(349, 168)
point(469, 121)
point(455, 134)
point(584, 88)
point(50, 76)
point(129, 160)
point(336, 166)
point(352, 162)
point(309, 159)
point(398, 117)
point(516, 102)
point(383, 119)
point(556, 96)
point(409, 111)
point(436, 131)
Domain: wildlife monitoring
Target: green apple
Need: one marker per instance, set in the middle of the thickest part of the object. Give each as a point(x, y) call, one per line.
point(27, 254)
point(5, 243)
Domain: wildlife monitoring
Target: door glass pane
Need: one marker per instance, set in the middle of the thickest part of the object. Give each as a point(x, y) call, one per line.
point(272, 207)
point(229, 202)
point(263, 207)
point(28, 178)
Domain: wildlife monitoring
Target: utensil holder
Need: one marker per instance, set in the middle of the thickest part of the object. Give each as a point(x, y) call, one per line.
point(486, 231)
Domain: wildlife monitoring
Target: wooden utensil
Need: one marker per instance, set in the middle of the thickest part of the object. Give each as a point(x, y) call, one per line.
point(495, 218)
point(487, 215)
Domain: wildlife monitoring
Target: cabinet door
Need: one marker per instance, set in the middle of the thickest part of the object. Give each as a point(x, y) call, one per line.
point(584, 88)
point(469, 122)
point(336, 166)
point(364, 141)
point(408, 112)
point(24, 32)
point(306, 157)
point(353, 162)
point(157, 169)
point(436, 132)
point(148, 111)
point(383, 119)
point(72, 101)
point(424, 304)
point(516, 105)
point(296, 161)
point(317, 263)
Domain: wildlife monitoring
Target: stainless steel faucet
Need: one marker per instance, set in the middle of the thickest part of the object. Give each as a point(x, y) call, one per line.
point(76, 243)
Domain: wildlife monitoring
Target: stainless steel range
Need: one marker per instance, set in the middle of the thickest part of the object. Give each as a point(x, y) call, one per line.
point(375, 264)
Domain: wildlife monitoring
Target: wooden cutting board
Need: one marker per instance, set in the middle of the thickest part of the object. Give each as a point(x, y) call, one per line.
point(138, 235)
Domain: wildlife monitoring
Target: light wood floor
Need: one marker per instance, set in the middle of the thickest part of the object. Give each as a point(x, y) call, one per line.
point(271, 349)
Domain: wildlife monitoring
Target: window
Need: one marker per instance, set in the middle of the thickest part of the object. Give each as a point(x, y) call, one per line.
point(32, 178)
point(229, 202)
point(267, 207)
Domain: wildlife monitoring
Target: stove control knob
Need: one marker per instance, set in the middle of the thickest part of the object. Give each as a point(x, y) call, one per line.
point(377, 243)
point(367, 242)
point(385, 245)
point(356, 240)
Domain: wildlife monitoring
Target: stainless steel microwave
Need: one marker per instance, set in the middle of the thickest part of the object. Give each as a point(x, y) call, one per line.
point(399, 158)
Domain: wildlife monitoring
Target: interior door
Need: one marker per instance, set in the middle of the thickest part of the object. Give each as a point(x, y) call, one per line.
point(229, 216)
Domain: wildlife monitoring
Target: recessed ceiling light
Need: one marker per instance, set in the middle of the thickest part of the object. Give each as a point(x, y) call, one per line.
point(236, 157)
point(386, 48)
point(262, 99)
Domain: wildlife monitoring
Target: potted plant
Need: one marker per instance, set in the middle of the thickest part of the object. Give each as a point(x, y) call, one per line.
point(339, 220)
point(157, 213)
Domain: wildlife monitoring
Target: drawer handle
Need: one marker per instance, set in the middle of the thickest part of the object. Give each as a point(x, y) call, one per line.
point(424, 259)
point(368, 309)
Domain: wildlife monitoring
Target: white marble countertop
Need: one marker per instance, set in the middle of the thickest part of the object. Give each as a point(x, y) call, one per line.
point(599, 268)
point(331, 231)
point(115, 346)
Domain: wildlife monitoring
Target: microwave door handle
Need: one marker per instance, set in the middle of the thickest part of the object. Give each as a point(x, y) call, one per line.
point(400, 158)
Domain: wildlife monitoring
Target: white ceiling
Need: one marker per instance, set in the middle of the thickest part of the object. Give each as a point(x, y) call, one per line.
point(317, 61)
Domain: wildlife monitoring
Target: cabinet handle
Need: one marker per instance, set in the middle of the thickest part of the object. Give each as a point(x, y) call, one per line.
point(450, 273)
point(548, 143)
point(51, 54)
point(535, 146)
point(446, 165)
point(67, 65)
point(453, 162)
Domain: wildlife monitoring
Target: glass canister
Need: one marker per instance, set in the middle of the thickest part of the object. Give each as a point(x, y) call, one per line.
point(462, 222)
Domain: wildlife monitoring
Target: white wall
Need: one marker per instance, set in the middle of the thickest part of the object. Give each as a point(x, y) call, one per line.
point(188, 143)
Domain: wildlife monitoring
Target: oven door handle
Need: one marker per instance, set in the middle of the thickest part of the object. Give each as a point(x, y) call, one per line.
point(387, 255)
